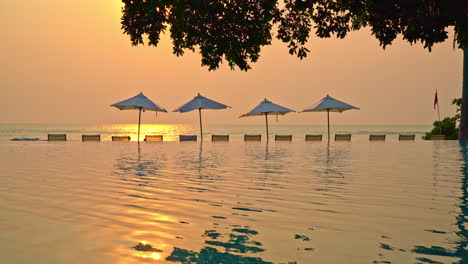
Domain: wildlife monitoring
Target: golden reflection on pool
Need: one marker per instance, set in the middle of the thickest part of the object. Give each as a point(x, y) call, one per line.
point(170, 132)
point(233, 203)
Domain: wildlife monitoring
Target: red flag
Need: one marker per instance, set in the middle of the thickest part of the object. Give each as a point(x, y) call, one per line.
point(435, 100)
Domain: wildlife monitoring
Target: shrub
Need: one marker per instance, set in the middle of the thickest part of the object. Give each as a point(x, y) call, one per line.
point(448, 126)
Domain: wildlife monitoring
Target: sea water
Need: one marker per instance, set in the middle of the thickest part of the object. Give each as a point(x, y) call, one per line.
point(235, 202)
point(171, 132)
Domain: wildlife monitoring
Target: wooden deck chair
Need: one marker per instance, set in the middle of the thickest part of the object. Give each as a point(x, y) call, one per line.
point(252, 137)
point(220, 138)
point(187, 138)
point(313, 137)
point(437, 137)
point(377, 137)
point(283, 137)
point(153, 137)
point(406, 137)
point(91, 137)
point(57, 137)
point(120, 138)
point(342, 137)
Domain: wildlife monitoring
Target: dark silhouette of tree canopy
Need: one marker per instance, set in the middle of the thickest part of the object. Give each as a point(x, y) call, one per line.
point(236, 30)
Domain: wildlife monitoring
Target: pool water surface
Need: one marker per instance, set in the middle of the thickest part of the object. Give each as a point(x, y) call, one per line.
point(236, 202)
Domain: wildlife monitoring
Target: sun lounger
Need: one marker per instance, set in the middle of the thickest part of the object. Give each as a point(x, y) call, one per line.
point(219, 137)
point(406, 137)
point(342, 137)
point(283, 137)
point(57, 137)
point(120, 138)
point(187, 138)
point(252, 137)
point(437, 137)
point(313, 137)
point(91, 137)
point(24, 139)
point(154, 138)
point(377, 138)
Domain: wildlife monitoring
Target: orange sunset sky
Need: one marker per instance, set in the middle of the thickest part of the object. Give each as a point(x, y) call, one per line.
point(68, 61)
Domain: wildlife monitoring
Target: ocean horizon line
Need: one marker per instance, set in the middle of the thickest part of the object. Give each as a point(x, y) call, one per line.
point(218, 124)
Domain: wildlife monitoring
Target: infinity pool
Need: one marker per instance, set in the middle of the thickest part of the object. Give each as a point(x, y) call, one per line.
point(347, 202)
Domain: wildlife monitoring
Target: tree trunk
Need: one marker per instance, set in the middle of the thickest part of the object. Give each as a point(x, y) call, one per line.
point(464, 106)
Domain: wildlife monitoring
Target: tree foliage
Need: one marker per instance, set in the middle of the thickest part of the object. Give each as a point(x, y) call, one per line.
point(458, 102)
point(236, 30)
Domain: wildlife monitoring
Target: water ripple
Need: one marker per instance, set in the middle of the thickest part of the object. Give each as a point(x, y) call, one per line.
point(233, 203)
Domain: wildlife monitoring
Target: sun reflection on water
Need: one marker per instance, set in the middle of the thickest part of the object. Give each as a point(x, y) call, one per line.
point(156, 255)
point(146, 251)
point(170, 132)
point(152, 255)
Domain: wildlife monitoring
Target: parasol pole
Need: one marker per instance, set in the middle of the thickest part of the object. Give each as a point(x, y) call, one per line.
point(139, 121)
point(328, 121)
point(266, 121)
point(201, 128)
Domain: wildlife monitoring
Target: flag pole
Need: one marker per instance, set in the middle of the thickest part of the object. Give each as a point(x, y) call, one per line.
point(438, 113)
